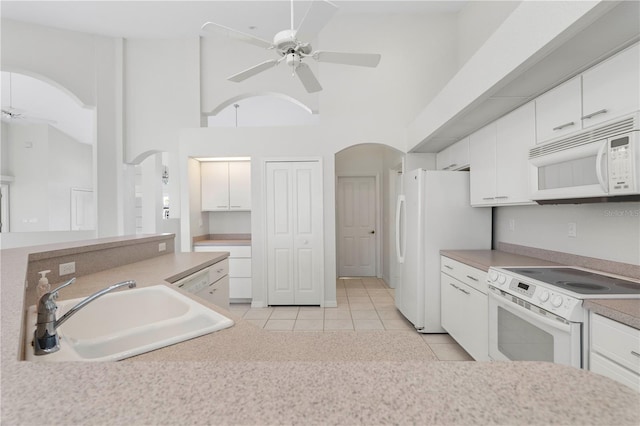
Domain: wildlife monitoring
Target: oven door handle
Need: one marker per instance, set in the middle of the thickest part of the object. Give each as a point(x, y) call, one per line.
point(526, 313)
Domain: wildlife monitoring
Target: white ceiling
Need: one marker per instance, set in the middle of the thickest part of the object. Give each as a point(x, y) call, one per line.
point(179, 19)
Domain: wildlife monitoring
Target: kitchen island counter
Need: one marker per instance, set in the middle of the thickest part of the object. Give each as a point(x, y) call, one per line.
point(252, 376)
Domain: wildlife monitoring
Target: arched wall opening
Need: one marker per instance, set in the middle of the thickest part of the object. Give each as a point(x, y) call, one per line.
point(367, 178)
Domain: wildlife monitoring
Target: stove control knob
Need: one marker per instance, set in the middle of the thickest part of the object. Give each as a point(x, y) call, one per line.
point(502, 279)
point(493, 276)
point(557, 301)
point(544, 296)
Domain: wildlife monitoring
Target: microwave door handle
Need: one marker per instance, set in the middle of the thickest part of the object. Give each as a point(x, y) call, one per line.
point(599, 167)
point(399, 209)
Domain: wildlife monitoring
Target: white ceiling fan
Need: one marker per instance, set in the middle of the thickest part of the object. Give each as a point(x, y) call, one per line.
point(19, 116)
point(293, 47)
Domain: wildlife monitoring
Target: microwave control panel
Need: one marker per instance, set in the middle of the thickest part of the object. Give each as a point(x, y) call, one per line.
point(621, 165)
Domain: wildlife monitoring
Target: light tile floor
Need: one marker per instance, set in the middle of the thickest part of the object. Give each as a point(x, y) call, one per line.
point(364, 304)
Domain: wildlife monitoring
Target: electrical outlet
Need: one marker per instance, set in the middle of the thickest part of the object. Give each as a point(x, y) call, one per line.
point(512, 224)
point(572, 230)
point(67, 268)
point(162, 246)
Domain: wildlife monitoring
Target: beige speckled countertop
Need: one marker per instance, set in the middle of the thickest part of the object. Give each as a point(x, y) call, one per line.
point(622, 310)
point(245, 375)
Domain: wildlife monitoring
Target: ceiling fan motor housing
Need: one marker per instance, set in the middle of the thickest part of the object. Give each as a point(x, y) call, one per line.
point(286, 42)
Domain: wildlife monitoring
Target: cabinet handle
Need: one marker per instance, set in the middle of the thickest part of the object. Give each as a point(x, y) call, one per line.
point(454, 286)
point(488, 198)
point(222, 207)
point(562, 126)
point(219, 270)
point(452, 166)
point(464, 291)
point(472, 278)
point(593, 114)
point(502, 197)
point(635, 353)
point(448, 267)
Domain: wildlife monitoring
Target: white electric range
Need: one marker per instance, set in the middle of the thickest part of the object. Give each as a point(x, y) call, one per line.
point(536, 313)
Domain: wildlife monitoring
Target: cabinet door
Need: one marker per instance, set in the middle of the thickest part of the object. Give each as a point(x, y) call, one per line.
point(515, 134)
point(612, 88)
point(240, 185)
point(559, 111)
point(443, 159)
point(460, 154)
point(214, 181)
point(482, 150)
point(465, 316)
point(217, 292)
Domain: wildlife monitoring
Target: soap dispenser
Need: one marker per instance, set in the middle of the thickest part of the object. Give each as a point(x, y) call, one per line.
point(43, 284)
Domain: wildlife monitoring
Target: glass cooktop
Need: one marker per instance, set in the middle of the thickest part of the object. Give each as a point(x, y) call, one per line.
point(579, 281)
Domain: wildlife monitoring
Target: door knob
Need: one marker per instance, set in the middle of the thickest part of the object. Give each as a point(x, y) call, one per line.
point(372, 232)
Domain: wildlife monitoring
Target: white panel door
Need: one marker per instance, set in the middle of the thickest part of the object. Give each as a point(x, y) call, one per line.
point(82, 214)
point(294, 233)
point(356, 226)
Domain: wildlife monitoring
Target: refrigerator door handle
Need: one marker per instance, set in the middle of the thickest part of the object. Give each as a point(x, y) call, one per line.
point(400, 209)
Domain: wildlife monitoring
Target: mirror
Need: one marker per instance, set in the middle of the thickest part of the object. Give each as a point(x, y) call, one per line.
point(46, 158)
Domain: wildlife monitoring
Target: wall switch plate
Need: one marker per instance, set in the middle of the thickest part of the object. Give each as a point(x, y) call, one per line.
point(67, 268)
point(162, 246)
point(512, 224)
point(572, 230)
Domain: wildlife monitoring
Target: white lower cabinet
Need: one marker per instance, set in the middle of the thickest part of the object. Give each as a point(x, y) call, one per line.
point(614, 350)
point(464, 307)
point(210, 283)
point(239, 270)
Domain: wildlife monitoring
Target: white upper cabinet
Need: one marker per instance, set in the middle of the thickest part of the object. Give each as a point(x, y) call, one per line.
point(559, 111)
point(612, 88)
point(499, 159)
point(515, 135)
point(604, 92)
point(454, 157)
point(225, 185)
point(240, 185)
point(482, 150)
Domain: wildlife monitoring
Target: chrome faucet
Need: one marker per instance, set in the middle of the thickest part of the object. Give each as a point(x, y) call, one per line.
point(45, 338)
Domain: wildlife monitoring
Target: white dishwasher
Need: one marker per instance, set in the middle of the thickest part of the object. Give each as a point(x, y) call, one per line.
point(211, 283)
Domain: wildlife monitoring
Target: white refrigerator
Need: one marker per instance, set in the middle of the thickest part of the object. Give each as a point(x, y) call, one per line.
point(433, 214)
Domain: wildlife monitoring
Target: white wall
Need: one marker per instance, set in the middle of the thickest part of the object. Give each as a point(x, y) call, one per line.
point(88, 67)
point(229, 222)
point(477, 21)
point(608, 231)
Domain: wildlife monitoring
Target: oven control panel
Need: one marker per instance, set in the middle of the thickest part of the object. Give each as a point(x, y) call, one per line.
point(547, 298)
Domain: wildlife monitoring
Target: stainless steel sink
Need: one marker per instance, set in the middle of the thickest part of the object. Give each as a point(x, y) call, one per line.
point(124, 324)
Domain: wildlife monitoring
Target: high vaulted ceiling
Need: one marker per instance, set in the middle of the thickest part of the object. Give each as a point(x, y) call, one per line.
point(178, 19)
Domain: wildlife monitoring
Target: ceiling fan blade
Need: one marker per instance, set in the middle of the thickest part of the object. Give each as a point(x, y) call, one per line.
point(359, 59)
point(307, 78)
point(250, 72)
point(236, 35)
point(317, 16)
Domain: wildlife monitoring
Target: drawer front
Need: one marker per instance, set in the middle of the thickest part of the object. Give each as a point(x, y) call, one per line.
point(606, 367)
point(218, 270)
point(469, 275)
point(234, 251)
point(217, 293)
point(616, 341)
point(240, 268)
point(240, 288)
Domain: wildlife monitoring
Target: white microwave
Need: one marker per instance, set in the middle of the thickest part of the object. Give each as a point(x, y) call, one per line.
point(591, 166)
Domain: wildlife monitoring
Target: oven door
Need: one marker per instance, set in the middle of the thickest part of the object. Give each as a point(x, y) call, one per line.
point(519, 331)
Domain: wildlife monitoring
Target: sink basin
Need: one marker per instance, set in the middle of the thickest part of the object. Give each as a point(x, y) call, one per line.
point(126, 323)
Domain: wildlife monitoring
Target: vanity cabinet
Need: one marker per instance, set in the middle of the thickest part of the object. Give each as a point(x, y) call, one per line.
point(615, 350)
point(465, 306)
point(454, 157)
point(499, 159)
point(210, 283)
point(239, 270)
point(225, 186)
